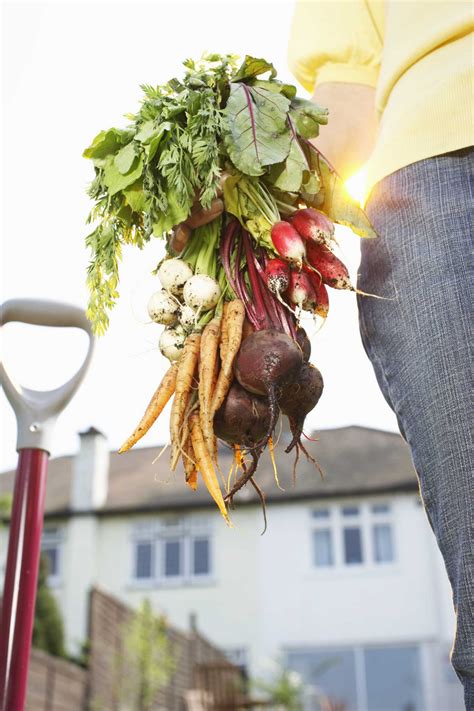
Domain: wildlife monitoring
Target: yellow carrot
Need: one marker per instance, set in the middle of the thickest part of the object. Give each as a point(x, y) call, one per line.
point(224, 334)
point(155, 407)
point(207, 368)
point(190, 468)
point(205, 465)
point(233, 320)
point(186, 367)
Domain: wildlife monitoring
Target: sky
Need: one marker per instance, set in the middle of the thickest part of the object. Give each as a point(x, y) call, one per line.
point(70, 70)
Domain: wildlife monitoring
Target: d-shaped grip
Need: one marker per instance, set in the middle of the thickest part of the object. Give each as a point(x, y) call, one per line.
point(36, 411)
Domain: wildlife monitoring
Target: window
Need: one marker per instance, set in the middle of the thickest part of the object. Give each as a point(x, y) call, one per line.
point(382, 543)
point(172, 559)
point(364, 678)
point(321, 513)
point(201, 556)
point(332, 671)
point(350, 511)
point(171, 551)
point(51, 549)
point(352, 545)
point(393, 678)
point(352, 535)
point(143, 560)
point(323, 548)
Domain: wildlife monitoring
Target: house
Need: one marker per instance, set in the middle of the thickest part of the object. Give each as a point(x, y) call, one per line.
point(346, 585)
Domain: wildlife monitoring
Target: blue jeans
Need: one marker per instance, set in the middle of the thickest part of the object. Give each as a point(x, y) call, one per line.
point(420, 345)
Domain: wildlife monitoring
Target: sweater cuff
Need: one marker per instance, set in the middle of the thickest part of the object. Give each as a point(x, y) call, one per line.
point(347, 73)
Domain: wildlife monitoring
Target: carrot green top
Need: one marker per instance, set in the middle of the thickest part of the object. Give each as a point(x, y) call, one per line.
point(418, 55)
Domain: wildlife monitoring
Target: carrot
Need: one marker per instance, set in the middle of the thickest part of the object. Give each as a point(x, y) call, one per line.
point(207, 369)
point(186, 367)
point(205, 465)
point(155, 407)
point(224, 333)
point(190, 468)
point(233, 320)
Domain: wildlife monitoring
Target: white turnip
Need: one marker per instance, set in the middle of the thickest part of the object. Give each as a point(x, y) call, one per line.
point(201, 292)
point(171, 343)
point(173, 275)
point(163, 308)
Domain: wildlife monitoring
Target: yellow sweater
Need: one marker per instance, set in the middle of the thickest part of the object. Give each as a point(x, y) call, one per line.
point(418, 54)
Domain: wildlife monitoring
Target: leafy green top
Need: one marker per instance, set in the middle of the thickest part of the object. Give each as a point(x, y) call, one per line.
point(148, 175)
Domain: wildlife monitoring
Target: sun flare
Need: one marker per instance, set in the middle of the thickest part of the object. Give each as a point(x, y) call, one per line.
point(356, 186)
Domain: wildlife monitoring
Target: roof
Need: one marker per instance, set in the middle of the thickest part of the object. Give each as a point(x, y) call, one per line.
point(356, 461)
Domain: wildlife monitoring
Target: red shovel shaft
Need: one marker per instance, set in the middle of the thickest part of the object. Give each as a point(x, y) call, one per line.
point(36, 412)
point(21, 577)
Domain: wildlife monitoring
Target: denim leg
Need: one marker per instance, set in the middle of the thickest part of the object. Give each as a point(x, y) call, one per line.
point(420, 345)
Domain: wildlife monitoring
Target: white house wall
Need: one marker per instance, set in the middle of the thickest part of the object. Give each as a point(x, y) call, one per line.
point(265, 596)
point(226, 606)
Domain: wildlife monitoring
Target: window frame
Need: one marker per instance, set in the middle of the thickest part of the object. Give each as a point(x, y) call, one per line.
point(359, 650)
point(52, 537)
point(365, 519)
point(181, 530)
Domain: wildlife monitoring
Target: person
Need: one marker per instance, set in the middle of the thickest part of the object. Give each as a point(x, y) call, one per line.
point(397, 80)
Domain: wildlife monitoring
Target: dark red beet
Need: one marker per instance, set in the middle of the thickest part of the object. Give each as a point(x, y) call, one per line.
point(297, 398)
point(243, 418)
point(267, 359)
point(304, 343)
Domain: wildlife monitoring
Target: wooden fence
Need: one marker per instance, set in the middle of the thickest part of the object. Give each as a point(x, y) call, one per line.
point(190, 651)
point(55, 685)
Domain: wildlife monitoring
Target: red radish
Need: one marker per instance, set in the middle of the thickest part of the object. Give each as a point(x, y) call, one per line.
point(333, 272)
point(322, 301)
point(300, 290)
point(277, 275)
point(313, 225)
point(288, 243)
point(322, 298)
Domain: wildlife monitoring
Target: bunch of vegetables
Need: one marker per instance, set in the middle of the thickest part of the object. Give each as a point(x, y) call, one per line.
point(232, 291)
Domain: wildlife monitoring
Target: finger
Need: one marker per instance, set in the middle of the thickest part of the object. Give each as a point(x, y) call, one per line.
point(200, 217)
point(179, 240)
point(222, 180)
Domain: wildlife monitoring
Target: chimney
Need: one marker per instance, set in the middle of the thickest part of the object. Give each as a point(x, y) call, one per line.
point(90, 471)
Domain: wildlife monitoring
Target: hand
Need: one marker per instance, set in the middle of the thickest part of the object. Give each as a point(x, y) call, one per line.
point(197, 218)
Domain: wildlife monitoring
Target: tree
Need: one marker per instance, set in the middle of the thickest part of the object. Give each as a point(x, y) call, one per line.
point(48, 629)
point(285, 689)
point(5, 507)
point(146, 658)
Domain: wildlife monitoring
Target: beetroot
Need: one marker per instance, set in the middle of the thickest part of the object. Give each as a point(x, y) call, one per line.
point(298, 397)
point(243, 418)
point(267, 359)
point(304, 343)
